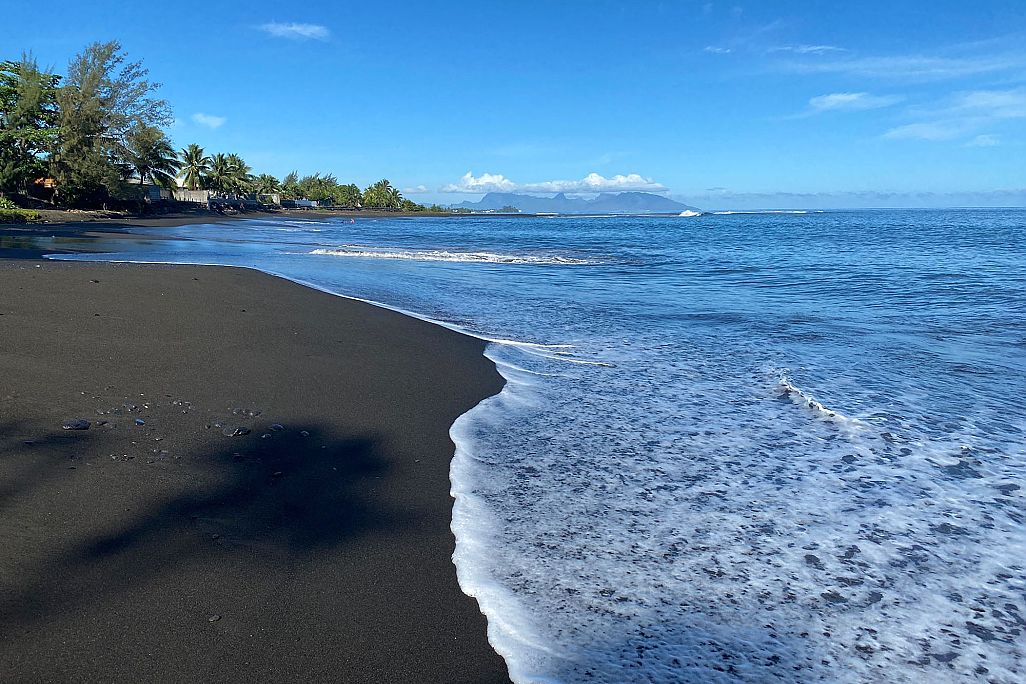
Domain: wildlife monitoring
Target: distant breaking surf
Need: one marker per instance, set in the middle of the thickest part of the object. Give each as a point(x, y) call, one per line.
point(443, 255)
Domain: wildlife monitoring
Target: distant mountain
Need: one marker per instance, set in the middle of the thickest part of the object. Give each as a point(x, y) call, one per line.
point(605, 203)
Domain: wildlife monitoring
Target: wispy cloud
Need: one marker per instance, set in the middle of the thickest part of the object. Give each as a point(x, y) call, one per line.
point(296, 31)
point(716, 50)
point(851, 102)
point(415, 190)
point(985, 140)
point(592, 183)
point(807, 49)
point(209, 120)
point(909, 67)
point(931, 130)
point(963, 115)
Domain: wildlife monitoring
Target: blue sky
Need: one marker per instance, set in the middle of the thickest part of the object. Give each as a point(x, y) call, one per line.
point(719, 104)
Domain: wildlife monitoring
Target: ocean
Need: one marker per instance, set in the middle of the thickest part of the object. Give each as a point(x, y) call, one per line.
point(753, 447)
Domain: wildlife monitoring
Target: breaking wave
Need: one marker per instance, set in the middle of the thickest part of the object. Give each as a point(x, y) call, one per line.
point(445, 255)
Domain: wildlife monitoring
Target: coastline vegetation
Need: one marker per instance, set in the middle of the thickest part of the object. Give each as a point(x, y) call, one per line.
point(95, 137)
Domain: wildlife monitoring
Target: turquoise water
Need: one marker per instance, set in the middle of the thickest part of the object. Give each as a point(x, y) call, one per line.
point(737, 447)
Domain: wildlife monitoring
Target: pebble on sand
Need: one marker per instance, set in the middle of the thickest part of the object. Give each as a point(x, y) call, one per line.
point(76, 424)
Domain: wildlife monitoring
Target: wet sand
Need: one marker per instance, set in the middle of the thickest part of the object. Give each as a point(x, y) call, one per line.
point(262, 493)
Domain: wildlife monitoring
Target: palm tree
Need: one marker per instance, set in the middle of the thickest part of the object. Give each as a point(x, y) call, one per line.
point(241, 176)
point(149, 152)
point(395, 198)
point(195, 165)
point(218, 177)
point(379, 195)
point(266, 184)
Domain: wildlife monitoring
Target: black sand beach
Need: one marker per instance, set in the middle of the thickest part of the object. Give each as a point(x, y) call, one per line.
point(262, 493)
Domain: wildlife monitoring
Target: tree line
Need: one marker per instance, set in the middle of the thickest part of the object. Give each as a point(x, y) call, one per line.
point(96, 135)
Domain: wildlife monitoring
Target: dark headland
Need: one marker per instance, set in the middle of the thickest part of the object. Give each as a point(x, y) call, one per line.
point(262, 493)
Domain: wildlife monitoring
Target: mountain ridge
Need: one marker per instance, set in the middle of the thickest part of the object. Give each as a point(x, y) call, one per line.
point(604, 203)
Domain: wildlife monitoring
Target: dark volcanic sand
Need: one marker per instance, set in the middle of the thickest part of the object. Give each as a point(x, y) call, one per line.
point(169, 551)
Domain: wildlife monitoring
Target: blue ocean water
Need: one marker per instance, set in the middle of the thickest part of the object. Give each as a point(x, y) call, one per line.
point(734, 447)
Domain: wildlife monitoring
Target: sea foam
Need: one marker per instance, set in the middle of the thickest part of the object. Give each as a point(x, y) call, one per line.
point(450, 256)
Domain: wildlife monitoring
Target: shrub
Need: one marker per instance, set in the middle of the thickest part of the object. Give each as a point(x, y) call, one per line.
point(18, 215)
point(5, 203)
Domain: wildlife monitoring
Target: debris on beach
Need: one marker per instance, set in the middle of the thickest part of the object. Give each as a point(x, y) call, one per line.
point(76, 424)
point(251, 413)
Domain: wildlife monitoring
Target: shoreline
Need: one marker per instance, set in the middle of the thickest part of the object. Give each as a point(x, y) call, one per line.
point(188, 216)
point(412, 359)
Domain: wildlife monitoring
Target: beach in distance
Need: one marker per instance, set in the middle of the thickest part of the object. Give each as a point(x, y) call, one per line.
point(262, 492)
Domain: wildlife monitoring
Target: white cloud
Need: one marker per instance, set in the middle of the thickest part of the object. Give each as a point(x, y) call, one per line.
point(984, 141)
point(415, 190)
point(997, 104)
point(932, 130)
point(296, 31)
point(851, 102)
point(807, 49)
point(910, 67)
point(592, 183)
point(963, 115)
point(486, 182)
point(209, 120)
point(714, 50)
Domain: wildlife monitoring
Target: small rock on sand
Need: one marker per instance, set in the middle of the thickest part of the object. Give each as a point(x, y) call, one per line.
point(76, 424)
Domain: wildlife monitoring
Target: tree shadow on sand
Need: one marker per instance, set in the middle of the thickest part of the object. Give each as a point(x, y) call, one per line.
point(278, 501)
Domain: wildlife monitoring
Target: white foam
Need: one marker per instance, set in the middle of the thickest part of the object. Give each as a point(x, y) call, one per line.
point(765, 211)
point(446, 255)
point(799, 397)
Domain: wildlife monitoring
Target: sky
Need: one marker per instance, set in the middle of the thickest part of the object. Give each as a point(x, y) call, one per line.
point(717, 104)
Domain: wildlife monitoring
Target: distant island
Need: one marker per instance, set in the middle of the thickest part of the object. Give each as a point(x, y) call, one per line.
point(605, 203)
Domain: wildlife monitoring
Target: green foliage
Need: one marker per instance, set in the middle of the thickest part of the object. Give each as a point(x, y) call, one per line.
point(6, 203)
point(150, 153)
point(228, 174)
point(382, 195)
point(348, 196)
point(266, 184)
point(103, 99)
point(28, 112)
point(290, 186)
point(194, 166)
point(18, 215)
point(101, 126)
point(317, 187)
